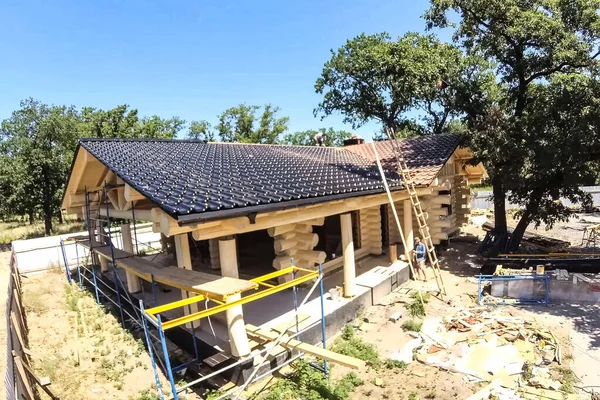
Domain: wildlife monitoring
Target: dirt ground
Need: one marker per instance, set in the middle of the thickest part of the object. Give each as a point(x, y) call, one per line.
point(81, 348)
point(419, 381)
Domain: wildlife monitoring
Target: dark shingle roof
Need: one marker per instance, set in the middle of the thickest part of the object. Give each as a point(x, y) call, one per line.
point(189, 177)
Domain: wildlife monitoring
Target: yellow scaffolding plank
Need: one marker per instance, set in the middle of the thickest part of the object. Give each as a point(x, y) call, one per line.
point(247, 299)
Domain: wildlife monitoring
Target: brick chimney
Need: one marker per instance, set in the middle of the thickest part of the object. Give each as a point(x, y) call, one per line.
point(354, 139)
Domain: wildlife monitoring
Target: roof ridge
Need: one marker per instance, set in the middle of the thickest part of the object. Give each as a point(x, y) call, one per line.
point(195, 141)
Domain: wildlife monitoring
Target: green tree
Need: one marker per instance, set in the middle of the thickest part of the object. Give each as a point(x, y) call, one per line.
point(201, 130)
point(156, 127)
point(307, 138)
point(241, 124)
point(374, 77)
point(534, 125)
point(37, 148)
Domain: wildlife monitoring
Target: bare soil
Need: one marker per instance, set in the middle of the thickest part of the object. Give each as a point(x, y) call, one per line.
point(82, 349)
point(459, 262)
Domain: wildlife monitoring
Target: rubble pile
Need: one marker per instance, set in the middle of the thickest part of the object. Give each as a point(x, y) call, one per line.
point(486, 345)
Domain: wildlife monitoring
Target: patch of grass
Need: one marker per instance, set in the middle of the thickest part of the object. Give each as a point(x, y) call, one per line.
point(393, 364)
point(212, 394)
point(307, 383)
point(17, 230)
point(351, 345)
point(567, 380)
point(412, 325)
point(416, 308)
point(148, 394)
point(413, 396)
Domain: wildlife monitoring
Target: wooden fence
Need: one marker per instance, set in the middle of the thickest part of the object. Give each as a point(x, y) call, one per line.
point(21, 381)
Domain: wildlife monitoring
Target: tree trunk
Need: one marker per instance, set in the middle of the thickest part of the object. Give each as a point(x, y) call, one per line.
point(499, 205)
point(517, 235)
point(48, 223)
point(31, 220)
point(60, 217)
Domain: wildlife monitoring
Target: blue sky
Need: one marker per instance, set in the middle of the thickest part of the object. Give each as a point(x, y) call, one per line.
point(192, 59)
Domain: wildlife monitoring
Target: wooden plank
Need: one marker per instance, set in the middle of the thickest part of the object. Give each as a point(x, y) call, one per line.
point(23, 376)
point(306, 348)
point(131, 194)
point(189, 280)
point(35, 378)
point(17, 327)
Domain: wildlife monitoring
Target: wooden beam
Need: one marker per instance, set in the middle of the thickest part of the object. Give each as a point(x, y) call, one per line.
point(238, 339)
point(133, 282)
point(140, 215)
point(348, 253)
point(306, 348)
point(184, 260)
point(131, 194)
point(296, 216)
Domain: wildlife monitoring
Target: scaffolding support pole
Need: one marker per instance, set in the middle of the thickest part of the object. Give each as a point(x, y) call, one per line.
point(154, 290)
point(324, 335)
point(95, 283)
point(64, 253)
point(163, 343)
point(150, 352)
point(295, 293)
point(137, 250)
point(78, 265)
point(112, 256)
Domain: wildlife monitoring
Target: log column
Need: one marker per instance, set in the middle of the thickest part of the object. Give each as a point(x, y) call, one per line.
point(184, 260)
point(348, 249)
point(296, 241)
point(133, 282)
point(238, 339)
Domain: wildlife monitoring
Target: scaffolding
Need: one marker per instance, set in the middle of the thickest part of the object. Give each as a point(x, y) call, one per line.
point(100, 242)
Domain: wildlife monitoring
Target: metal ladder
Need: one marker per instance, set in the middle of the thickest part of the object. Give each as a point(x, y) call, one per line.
point(409, 184)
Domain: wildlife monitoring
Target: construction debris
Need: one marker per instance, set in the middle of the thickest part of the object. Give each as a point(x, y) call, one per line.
point(489, 346)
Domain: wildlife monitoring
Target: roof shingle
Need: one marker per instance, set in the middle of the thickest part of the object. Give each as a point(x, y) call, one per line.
point(189, 177)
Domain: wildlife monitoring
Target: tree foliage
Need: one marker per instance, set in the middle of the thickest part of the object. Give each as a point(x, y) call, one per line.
point(37, 144)
point(243, 124)
point(533, 126)
point(395, 82)
point(307, 138)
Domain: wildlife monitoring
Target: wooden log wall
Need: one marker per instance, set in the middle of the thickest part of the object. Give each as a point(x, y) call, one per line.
point(441, 222)
point(296, 241)
point(370, 230)
point(461, 202)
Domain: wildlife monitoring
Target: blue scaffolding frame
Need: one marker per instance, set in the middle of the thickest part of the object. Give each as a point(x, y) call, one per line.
point(88, 274)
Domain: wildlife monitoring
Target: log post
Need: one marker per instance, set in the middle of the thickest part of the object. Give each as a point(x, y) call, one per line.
point(184, 260)
point(133, 282)
point(407, 227)
point(238, 339)
point(348, 250)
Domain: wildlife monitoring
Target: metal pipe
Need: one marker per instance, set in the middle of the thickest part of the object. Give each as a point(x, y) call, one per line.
point(150, 352)
point(154, 290)
point(323, 317)
point(95, 284)
point(163, 343)
point(78, 265)
point(295, 293)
